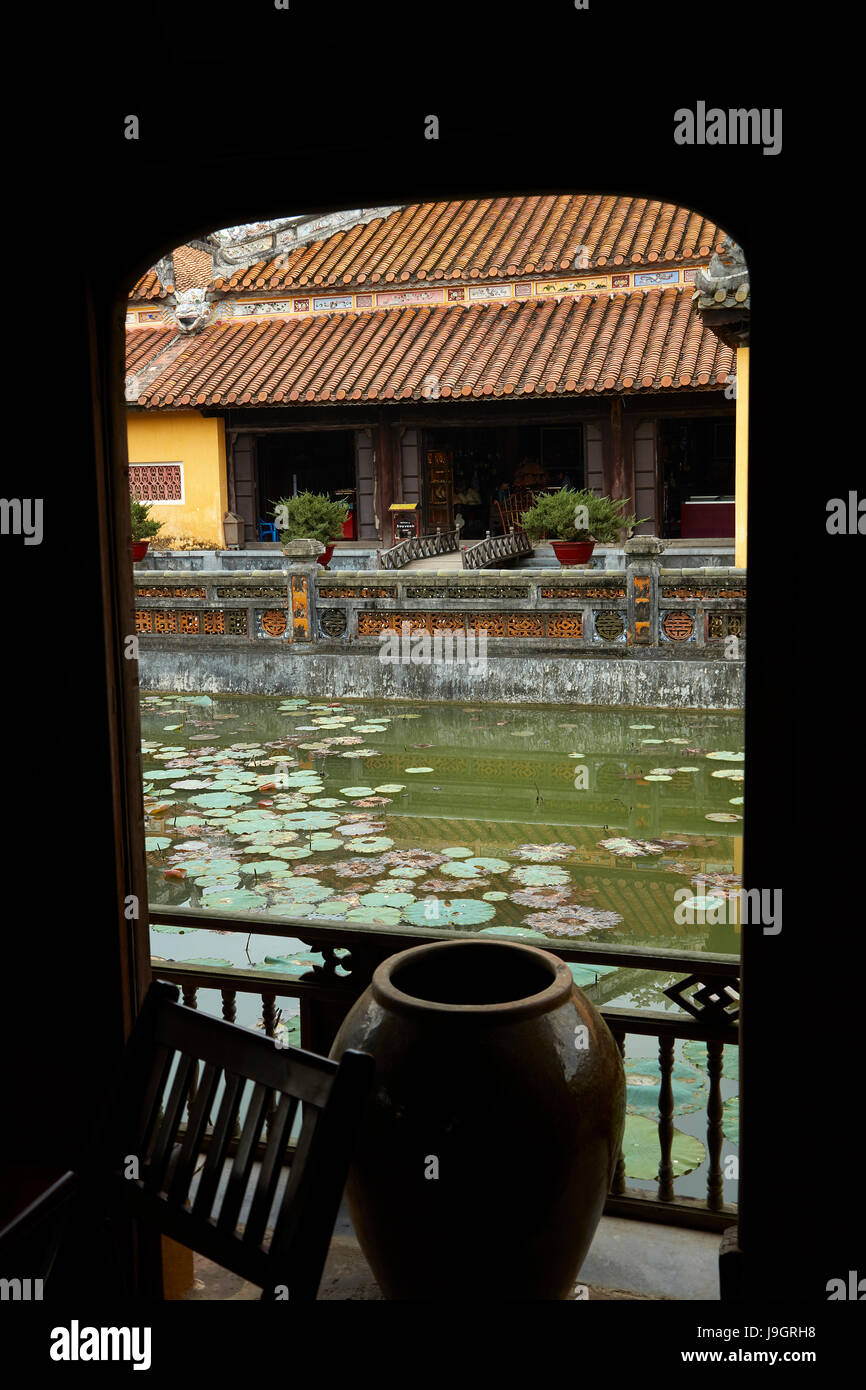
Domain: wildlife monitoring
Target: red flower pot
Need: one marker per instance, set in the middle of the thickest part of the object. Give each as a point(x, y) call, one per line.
point(139, 549)
point(570, 553)
point(325, 559)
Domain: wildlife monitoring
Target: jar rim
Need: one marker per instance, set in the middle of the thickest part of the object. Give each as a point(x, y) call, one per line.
point(387, 992)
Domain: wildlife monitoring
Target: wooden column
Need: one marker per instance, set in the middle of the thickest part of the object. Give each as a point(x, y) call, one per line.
point(384, 445)
point(615, 482)
point(742, 458)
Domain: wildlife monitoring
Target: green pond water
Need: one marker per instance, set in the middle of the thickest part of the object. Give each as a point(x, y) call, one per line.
point(557, 826)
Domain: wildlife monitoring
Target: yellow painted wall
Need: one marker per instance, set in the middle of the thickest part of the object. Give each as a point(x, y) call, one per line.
point(199, 443)
point(742, 456)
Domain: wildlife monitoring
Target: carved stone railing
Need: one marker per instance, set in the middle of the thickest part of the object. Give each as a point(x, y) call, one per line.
point(643, 635)
point(708, 991)
point(497, 549)
point(419, 548)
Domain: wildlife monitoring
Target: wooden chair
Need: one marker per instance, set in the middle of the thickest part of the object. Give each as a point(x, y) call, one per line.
point(176, 1060)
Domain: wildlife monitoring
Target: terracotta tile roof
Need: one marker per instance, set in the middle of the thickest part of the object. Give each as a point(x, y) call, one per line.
point(639, 340)
point(193, 268)
point(489, 238)
point(143, 344)
point(148, 287)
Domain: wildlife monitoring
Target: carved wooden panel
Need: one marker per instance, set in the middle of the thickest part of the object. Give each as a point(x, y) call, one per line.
point(726, 625)
point(641, 589)
point(494, 623)
point(333, 621)
point(250, 591)
point(700, 591)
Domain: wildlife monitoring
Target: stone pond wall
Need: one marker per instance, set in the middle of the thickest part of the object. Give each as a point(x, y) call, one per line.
point(641, 636)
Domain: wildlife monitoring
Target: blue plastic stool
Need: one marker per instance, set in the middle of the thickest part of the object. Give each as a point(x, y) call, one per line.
point(267, 531)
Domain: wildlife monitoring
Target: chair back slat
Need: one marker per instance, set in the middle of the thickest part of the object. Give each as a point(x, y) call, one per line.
point(244, 1156)
point(139, 1119)
point(154, 1170)
point(220, 1140)
point(279, 1133)
point(196, 1127)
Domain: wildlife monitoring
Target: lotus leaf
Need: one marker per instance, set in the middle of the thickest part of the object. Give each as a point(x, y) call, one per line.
point(448, 912)
point(457, 852)
point(326, 803)
point(156, 842)
point(417, 769)
point(311, 820)
point(261, 867)
point(292, 852)
point(457, 869)
point(359, 791)
point(387, 899)
point(379, 916)
point(370, 844)
point(388, 787)
point(643, 1077)
point(640, 1147)
point(219, 799)
point(488, 866)
point(533, 876)
point(696, 1052)
point(731, 1119)
point(723, 816)
point(192, 784)
point(736, 801)
point(494, 897)
point(321, 843)
point(726, 756)
point(240, 899)
point(657, 777)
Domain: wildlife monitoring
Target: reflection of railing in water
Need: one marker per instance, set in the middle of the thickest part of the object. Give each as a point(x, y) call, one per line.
point(710, 992)
point(420, 548)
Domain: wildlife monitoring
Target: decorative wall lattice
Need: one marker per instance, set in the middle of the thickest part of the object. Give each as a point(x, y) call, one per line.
point(333, 621)
point(161, 621)
point(251, 591)
point(273, 622)
point(496, 624)
point(156, 482)
point(678, 627)
point(596, 591)
point(186, 592)
point(609, 625)
point(726, 625)
point(365, 591)
point(699, 591)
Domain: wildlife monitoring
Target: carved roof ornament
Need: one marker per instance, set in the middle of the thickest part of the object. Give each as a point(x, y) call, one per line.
point(724, 284)
point(723, 294)
point(165, 272)
point(192, 310)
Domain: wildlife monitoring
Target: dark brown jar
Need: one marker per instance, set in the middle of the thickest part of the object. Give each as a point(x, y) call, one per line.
point(490, 1139)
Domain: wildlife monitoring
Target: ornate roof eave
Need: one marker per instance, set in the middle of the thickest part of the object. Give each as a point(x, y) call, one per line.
point(723, 295)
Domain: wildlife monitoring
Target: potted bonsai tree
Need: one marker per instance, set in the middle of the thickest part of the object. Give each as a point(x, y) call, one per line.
point(144, 527)
point(311, 516)
point(575, 520)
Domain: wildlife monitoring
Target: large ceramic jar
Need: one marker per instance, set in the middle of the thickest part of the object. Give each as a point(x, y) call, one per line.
point(491, 1136)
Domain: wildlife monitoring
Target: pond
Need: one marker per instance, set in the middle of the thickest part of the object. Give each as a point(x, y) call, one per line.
point(554, 825)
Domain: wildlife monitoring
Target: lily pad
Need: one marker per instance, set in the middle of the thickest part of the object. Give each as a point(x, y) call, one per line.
point(533, 876)
point(448, 912)
point(153, 843)
point(369, 844)
point(640, 1147)
point(359, 791)
point(219, 800)
point(457, 852)
point(417, 769)
point(643, 1077)
point(389, 788)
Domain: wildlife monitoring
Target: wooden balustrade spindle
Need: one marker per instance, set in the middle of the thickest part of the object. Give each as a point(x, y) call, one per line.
point(230, 1011)
point(666, 1119)
point(269, 1014)
point(715, 1182)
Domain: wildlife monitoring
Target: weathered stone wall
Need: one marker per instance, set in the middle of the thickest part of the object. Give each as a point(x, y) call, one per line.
point(644, 636)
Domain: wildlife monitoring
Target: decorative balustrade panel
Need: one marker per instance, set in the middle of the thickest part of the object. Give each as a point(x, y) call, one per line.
point(686, 614)
point(708, 991)
point(494, 549)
